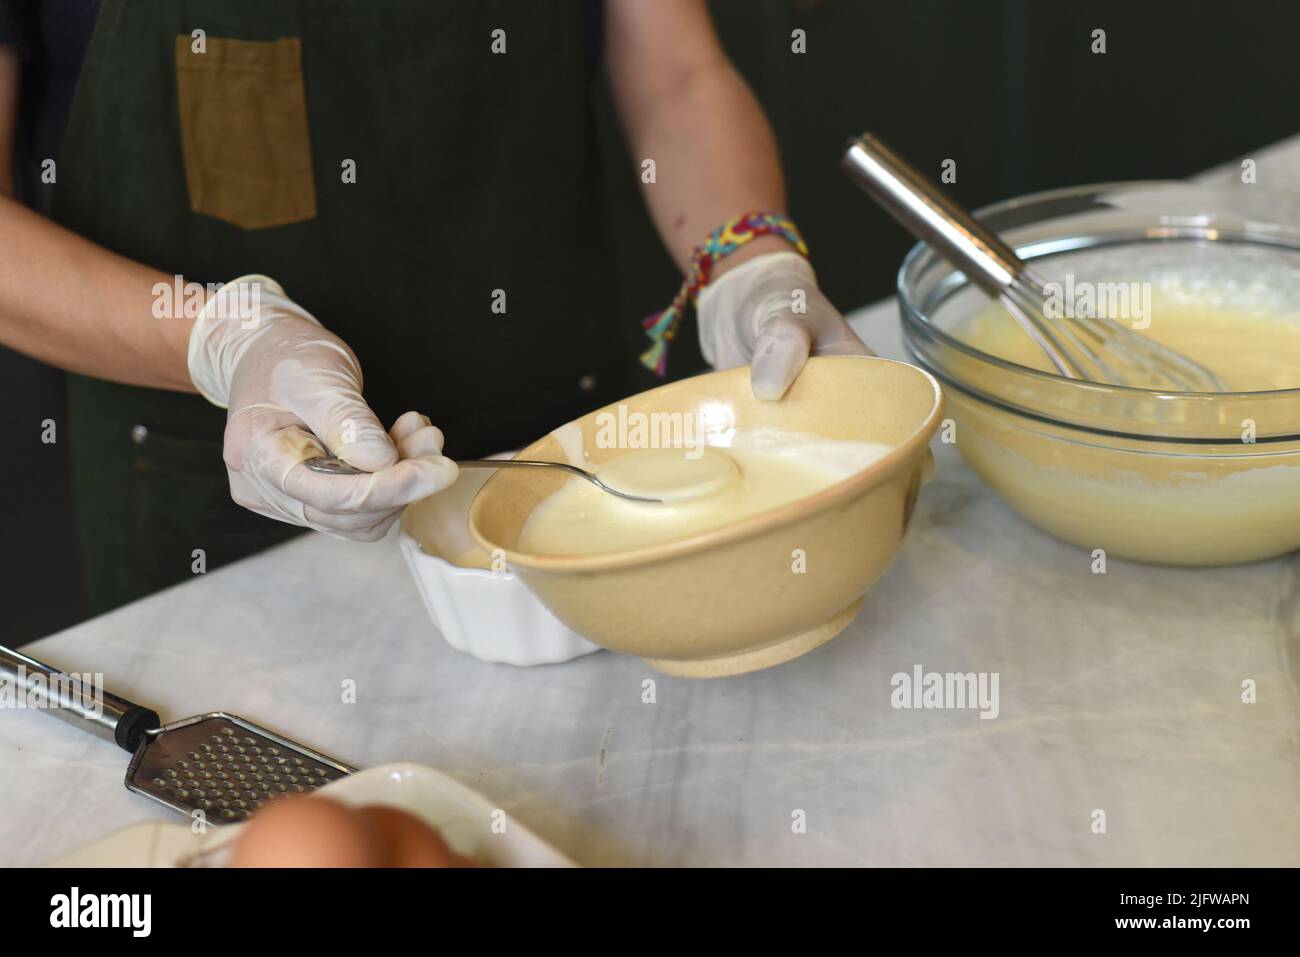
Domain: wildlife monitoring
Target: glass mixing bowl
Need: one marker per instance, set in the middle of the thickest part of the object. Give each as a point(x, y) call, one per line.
point(1166, 477)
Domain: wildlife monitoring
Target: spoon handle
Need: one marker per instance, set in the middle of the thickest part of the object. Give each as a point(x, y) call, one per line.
point(516, 464)
point(332, 465)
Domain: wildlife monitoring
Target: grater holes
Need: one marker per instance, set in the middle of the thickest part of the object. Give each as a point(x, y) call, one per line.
point(230, 774)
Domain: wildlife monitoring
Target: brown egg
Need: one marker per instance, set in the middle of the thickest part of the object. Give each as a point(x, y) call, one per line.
point(308, 832)
point(407, 841)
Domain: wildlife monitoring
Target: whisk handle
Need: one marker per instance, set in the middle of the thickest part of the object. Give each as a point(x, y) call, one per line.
point(71, 698)
point(920, 208)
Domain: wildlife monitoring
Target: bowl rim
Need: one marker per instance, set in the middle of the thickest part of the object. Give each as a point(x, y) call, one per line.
point(753, 525)
point(913, 316)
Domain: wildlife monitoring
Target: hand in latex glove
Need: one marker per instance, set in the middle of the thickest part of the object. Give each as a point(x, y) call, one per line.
point(749, 314)
point(287, 381)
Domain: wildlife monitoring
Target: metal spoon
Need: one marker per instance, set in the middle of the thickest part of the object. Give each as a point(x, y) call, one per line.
point(332, 465)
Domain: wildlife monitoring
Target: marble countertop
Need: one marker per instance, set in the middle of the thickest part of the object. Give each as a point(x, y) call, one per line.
point(1118, 692)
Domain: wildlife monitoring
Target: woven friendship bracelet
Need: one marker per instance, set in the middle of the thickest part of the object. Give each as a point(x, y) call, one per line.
point(661, 327)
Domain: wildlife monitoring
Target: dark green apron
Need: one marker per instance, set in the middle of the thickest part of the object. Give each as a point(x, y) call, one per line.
point(475, 172)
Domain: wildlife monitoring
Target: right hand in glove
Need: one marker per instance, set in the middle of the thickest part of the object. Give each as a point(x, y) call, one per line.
point(293, 391)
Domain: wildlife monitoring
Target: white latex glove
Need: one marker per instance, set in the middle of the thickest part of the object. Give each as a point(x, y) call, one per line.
point(755, 313)
point(287, 381)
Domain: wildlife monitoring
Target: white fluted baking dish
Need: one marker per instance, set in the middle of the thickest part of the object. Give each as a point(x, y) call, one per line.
point(483, 612)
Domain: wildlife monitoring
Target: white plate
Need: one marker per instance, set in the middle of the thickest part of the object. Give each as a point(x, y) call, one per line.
point(467, 820)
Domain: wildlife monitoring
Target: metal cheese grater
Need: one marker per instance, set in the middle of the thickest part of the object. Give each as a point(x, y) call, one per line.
point(216, 764)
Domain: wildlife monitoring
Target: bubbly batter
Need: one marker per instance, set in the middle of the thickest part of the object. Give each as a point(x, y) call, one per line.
point(700, 492)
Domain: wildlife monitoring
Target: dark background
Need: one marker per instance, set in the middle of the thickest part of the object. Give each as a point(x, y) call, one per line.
point(1007, 88)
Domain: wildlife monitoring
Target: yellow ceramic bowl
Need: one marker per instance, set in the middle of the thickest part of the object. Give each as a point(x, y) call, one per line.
point(731, 600)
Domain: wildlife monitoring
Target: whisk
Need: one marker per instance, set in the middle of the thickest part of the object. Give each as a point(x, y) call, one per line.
point(1091, 347)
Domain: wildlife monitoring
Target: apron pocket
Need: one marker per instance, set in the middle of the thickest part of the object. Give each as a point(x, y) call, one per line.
point(178, 501)
point(243, 113)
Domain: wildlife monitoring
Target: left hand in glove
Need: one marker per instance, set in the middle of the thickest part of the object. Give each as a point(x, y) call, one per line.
point(769, 312)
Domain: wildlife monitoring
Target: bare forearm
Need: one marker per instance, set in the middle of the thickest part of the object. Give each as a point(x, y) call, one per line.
point(715, 158)
point(80, 307)
point(71, 303)
point(683, 105)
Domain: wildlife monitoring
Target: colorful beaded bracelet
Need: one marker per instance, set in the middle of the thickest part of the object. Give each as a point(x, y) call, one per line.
point(661, 327)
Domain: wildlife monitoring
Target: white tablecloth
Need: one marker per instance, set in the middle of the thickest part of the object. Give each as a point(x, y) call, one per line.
point(1118, 692)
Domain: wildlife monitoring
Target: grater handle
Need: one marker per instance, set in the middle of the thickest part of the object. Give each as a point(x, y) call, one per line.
point(93, 709)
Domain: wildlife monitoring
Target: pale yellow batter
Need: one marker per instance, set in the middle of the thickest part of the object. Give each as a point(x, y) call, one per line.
point(1250, 351)
point(1159, 502)
point(701, 492)
point(670, 475)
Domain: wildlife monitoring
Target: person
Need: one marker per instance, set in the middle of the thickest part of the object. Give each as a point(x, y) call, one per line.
point(419, 178)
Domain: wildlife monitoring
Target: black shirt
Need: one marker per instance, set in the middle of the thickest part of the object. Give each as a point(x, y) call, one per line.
point(52, 37)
